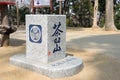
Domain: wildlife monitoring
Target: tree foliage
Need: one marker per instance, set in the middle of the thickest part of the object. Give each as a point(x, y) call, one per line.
point(22, 12)
point(117, 15)
point(12, 15)
point(78, 12)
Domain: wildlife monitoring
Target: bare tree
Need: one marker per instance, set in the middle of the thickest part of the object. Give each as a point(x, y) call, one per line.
point(109, 17)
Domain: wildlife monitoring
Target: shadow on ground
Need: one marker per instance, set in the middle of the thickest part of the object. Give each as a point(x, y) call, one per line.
point(94, 51)
point(16, 46)
point(16, 42)
point(100, 54)
point(109, 44)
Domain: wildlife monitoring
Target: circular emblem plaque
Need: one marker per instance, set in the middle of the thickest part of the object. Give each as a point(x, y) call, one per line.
point(35, 34)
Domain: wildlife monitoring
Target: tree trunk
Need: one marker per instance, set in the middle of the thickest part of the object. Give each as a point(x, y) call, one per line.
point(109, 17)
point(95, 14)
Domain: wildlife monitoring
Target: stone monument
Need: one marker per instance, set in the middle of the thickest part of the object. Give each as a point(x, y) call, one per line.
point(5, 22)
point(46, 47)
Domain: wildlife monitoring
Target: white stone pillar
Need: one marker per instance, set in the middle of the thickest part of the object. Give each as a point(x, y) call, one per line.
point(46, 36)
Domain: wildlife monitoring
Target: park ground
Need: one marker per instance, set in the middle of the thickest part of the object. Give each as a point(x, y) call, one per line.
point(99, 50)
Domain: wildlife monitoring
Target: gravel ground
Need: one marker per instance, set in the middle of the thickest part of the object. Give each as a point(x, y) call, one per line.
point(98, 49)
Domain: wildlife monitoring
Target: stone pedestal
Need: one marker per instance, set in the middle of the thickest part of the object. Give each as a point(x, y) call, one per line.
point(46, 46)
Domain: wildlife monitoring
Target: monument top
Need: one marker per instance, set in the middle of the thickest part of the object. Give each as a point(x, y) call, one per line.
point(7, 1)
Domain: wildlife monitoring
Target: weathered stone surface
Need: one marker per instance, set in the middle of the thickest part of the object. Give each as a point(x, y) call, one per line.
point(62, 68)
point(4, 29)
point(50, 47)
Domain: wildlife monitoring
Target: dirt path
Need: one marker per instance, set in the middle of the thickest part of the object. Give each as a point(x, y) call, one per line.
point(99, 51)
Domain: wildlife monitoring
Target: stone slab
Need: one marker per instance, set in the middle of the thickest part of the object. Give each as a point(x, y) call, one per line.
point(63, 68)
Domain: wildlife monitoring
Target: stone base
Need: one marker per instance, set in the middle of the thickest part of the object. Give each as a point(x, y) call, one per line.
point(63, 68)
